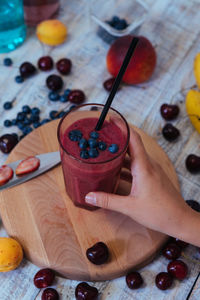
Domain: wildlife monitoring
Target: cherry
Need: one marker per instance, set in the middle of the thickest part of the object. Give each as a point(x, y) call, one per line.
point(163, 280)
point(180, 243)
point(50, 294)
point(45, 63)
point(172, 251)
point(134, 280)
point(54, 82)
point(108, 84)
point(169, 111)
point(193, 163)
point(98, 254)
point(86, 292)
point(8, 142)
point(64, 66)
point(76, 96)
point(170, 132)
point(44, 278)
point(27, 69)
point(178, 269)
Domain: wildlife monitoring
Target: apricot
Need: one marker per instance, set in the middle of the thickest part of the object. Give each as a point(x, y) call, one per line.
point(11, 254)
point(141, 65)
point(51, 32)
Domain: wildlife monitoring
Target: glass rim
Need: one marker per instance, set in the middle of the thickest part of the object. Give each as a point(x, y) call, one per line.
point(89, 162)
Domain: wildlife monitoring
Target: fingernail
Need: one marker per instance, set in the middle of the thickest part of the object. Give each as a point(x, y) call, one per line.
point(90, 198)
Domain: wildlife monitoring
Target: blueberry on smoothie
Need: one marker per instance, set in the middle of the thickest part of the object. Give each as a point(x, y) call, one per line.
point(113, 148)
point(94, 135)
point(102, 146)
point(92, 143)
point(93, 153)
point(75, 135)
point(84, 154)
point(83, 143)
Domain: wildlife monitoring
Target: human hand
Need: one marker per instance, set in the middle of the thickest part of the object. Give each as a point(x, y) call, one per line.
point(153, 200)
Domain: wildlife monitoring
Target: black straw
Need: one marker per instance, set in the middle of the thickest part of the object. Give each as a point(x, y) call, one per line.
point(117, 83)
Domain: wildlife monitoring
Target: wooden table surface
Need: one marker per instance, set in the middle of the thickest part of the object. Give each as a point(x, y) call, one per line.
point(173, 28)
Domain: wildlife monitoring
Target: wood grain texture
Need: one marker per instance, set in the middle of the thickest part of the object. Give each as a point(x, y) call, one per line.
point(54, 233)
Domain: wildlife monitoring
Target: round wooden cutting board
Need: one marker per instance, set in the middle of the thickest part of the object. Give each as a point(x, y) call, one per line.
point(55, 234)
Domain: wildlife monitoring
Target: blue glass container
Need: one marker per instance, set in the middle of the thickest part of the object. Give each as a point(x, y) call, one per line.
point(12, 26)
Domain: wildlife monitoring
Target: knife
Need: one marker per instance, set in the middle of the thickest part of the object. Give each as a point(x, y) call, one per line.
point(47, 161)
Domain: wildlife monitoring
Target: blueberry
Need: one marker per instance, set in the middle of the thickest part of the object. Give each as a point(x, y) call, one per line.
point(54, 96)
point(44, 121)
point(115, 19)
point(14, 122)
point(93, 153)
point(72, 106)
point(21, 116)
point(66, 92)
point(34, 118)
point(94, 135)
point(53, 114)
point(19, 79)
point(7, 105)
point(27, 130)
point(7, 61)
point(102, 146)
point(83, 143)
point(113, 148)
point(92, 143)
point(35, 111)
point(122, 24)
point(27, 121)
point(36, 124)
point(84, 154)
point(63, 98)
point(61, 114)
point(26, 109)
point(75, 135)
point(20, 125)
point(7, 123)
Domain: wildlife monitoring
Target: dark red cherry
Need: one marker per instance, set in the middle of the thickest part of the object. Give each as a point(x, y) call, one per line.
point(169, 111)
point(44, 278)
point(54, 82)
point(193, 163)
point(193, 204)
point(170, 132)
point(27, 69)
point(178, 269)
point(45, 63)
point(134, 280)
point(180, 243)
point(108, 84)
point(86, 292)
point(172, 251)
point(64, 66)
point(98, 254)
point(50, 294)
point(76, 96)
point(163, 280)
point(8, 142)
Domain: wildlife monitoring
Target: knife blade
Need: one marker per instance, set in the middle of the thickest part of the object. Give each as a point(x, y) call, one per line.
point(47, 161)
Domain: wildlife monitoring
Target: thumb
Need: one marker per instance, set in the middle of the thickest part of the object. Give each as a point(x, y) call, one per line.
point(109, 201)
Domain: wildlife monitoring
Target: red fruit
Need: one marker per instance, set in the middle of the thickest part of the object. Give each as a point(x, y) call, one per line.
point(108, 84)
point(141, 65)
point(98, 254)
point(50, 294)
point(180, 243)
point(7, 142)
point(169, 111)
point(172, 251)
point(45, 63)
point(134, 280)
point(76, 96)
point(27, 165)
point(6, 173)
point(163, 281)
point(64, 66)
point(178, 269)
point(44, 278)
point(85, 291)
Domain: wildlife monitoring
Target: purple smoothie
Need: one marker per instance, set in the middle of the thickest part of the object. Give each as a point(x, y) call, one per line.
point(92, 174)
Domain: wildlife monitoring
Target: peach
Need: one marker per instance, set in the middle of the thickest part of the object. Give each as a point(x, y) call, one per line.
point(11, 254)
point(141, 65)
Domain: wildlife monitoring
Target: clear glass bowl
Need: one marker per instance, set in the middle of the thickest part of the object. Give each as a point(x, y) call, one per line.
point(133, 11)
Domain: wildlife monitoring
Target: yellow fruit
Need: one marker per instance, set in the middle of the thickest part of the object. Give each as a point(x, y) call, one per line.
point(193, 108)
point(51, 32)
point(11, 254)
point(197, 69)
